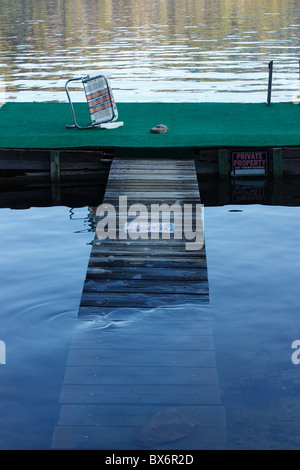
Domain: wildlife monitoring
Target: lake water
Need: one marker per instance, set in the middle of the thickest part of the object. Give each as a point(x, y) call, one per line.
point(253, 265)
point(171, 50)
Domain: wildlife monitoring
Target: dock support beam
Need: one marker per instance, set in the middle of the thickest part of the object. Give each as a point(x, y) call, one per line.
point(54, 165)
point(55, 177)
point(223, 163)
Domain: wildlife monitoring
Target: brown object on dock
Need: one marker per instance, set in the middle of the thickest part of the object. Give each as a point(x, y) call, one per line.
point(160, 129)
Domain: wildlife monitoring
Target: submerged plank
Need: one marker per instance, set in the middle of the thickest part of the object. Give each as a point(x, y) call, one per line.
point(135, 299)
point(141, 394)
point(141, 358)
point(111, 415)
point(129, 375)
point(106, 437)
point(144, 273)
point(143, 286)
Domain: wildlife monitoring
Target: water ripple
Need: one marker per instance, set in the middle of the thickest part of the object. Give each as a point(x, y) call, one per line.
point(183, 51)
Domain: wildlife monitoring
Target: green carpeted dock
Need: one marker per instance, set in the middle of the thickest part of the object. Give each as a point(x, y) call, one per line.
point(42, 126)
point(34, 137)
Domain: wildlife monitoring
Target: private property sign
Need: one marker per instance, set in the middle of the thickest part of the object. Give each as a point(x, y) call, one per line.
point(249, 162)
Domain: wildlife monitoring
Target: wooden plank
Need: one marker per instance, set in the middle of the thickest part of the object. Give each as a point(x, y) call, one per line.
point(191, 340)
point(118, 299)
point(150, 195)
point(190, 319)
point(157, 251)
point(106, 437)
point(143, 273)
point(112, 415)
point(128, 375)
point(143, 286)
point(143, 337)
point(149, 161)
point(141, 358)
point(155, 262)
point(149, 173)
point(142, 243)
point(148, 186)
point(168, 182)
point(154, 171)
point(148, 201)
point(110, 316)
point(133, 394)
point(161, 169)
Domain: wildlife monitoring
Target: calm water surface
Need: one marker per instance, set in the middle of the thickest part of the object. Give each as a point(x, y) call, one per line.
point(170, 50)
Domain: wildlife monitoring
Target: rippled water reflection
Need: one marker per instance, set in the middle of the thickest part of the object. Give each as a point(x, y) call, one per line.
point(171, 50)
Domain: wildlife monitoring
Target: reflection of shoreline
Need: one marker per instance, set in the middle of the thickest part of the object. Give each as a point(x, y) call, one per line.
point(184, 47)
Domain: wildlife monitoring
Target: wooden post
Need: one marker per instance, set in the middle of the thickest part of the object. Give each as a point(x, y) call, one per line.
point(277, 162)
point(223, 163)
point(54, 165)
point(55, 177)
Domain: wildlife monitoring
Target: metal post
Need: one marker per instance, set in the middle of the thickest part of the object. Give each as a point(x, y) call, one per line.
point(270, 81)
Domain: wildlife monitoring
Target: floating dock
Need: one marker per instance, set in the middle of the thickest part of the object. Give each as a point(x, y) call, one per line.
point(148, 379)
point(33, 136)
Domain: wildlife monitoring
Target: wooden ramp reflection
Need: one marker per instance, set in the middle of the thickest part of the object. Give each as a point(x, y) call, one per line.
point(144, 376)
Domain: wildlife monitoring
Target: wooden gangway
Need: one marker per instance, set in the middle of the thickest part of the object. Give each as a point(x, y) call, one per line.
point(145, 375)
point(146, 272)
